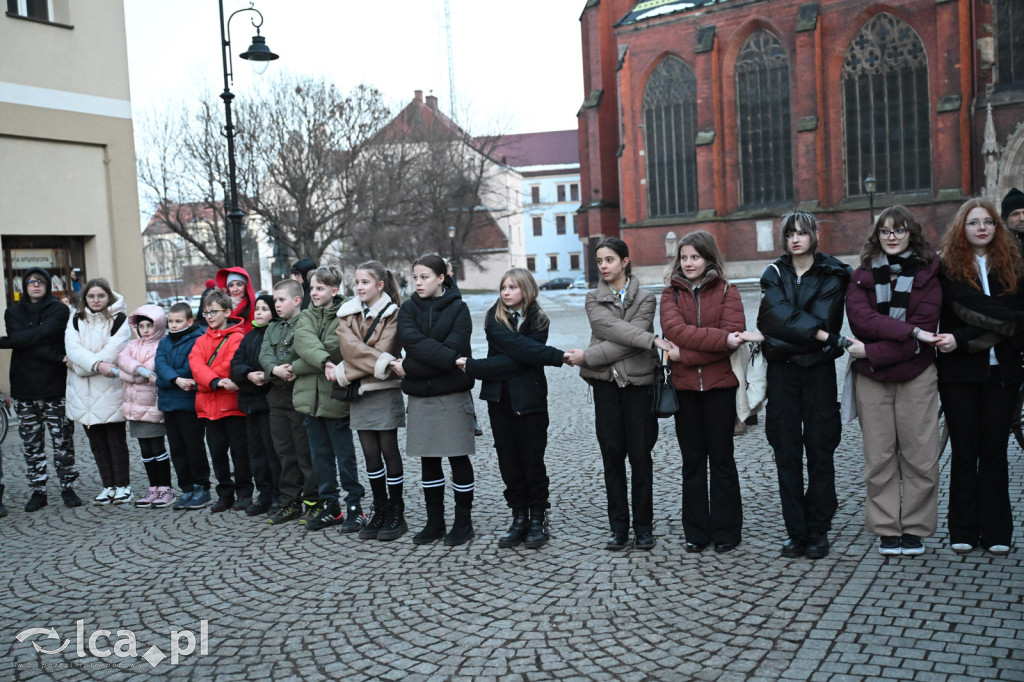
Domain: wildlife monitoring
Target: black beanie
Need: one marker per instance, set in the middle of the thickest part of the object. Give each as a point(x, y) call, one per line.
point(269, 300)
point(1013, 200)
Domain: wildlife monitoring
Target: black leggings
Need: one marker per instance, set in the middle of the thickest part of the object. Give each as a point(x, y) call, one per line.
point(380, 448)
point(157, 461)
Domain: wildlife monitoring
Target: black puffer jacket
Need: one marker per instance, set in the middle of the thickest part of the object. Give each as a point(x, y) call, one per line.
point(516, 359)
point(35, 334)
point(793, 309)
point(435, 332)
point(251, 398)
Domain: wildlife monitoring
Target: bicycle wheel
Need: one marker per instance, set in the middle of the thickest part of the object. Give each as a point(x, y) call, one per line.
point(1018, 419)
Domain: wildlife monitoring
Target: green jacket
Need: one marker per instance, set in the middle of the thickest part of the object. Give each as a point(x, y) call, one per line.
point(316, 342)
point(278, 347)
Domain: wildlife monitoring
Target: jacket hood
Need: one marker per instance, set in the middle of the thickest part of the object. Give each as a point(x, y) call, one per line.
point(830, 264)
point(116, 307)
point(235, 326)
point(354, 305)
point(153, 312)
point(47, 279)
point(450, 296)
point(222, 281)
point(711, 276)
point(604, 291)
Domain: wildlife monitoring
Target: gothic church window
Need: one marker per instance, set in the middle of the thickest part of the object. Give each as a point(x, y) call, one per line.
point(670, 130)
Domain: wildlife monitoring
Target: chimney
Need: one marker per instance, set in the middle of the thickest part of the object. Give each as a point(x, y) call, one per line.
point(418, 96)
point(432, 102)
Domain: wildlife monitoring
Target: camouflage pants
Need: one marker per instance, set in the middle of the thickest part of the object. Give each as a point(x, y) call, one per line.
point(35, 417)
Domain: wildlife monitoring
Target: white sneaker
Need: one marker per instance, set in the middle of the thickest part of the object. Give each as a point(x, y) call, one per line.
point(123, 495)
point(999, 550)
point(105, 496)
point(962, 548)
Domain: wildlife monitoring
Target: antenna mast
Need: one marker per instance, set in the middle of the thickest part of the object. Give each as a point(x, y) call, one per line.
point(451, 60)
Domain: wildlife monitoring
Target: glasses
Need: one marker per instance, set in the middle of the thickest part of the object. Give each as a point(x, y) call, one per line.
point(899, 233)
point(211, 313)
point(34, 282)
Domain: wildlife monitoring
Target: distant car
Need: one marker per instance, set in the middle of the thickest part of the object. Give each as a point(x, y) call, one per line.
point(557, 283)
point(580, 283)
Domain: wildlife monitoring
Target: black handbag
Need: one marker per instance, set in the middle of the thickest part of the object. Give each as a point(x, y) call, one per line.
point(664, 402)
point(350, 393)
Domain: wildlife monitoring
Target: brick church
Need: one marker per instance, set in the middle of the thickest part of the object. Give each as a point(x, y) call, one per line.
point(723, 115)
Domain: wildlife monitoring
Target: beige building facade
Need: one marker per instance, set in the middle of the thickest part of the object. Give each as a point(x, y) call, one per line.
point(68, 193)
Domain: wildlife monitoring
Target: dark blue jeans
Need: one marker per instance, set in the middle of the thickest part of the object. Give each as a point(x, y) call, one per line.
point(330, 444)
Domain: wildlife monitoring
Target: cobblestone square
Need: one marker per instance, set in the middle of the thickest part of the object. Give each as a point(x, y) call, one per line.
point(282, 603)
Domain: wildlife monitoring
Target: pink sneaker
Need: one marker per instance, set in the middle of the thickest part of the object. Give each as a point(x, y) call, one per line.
point(165, 497)
point(147, 501)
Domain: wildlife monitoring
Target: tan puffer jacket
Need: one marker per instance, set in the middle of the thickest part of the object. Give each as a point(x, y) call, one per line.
point(622, 336)
point(368, 361)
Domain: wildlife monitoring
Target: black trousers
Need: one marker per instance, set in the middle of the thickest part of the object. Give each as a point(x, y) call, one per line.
point(109, 444)
point(803, 417)
point(626, 429)
point(979, 416)
point(520, 441)
point(704, 427)
point(266, 467)
point(188, 449)
point(225, 435)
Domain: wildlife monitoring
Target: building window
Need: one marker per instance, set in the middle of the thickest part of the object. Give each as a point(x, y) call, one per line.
point(575, 223)
point(33, 9)
point(885, 98)
point(574, 192)
point(560, 190)
point(552, 262)
point(574, 261)
point(762, 112)
point(535, 194)
point(1009, 42)
point(531, 263)
point(559, 224)
point(670, 130)
point(538, 226)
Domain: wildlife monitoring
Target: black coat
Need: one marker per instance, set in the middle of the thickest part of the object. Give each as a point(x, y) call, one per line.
point(35, 334)
point(251, 398)
point(515, 362)
point(794, 309)
point(435, 332)
point(979, 322)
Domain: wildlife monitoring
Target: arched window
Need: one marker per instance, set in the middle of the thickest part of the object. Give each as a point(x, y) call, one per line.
point(885, 98)
point(670, 131)
point(762, 112)
point(1009, 42)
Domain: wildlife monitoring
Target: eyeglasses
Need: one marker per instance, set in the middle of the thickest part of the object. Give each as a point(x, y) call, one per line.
point(34, 282)
point(211, 313)
point(899, 233)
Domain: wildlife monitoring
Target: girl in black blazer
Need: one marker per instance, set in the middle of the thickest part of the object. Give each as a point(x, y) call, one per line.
point(516, 392)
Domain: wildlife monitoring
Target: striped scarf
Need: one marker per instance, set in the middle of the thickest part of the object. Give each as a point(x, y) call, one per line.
point(893, 300)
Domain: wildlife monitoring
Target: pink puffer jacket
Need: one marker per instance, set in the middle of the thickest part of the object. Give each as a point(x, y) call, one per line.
point(140, 396)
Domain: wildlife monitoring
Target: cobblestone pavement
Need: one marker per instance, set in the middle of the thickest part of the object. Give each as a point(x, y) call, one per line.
point(282, 603)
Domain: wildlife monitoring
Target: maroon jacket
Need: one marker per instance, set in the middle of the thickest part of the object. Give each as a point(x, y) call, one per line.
point(699, 321)
point(892, 352)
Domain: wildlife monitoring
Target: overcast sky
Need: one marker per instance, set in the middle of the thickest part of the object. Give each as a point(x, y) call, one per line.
point(518, 65)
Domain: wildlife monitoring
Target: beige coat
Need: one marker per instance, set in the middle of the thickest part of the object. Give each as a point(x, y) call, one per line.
point(622, 336)
point(367, 361)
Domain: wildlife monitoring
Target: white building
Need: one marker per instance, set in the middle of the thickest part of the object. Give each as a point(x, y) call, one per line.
point(550, 166)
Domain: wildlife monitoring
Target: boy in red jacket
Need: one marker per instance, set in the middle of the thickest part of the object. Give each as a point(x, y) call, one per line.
point(217, 402)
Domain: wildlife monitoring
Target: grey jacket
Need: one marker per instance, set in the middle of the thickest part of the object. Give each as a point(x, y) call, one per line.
point(622, 336)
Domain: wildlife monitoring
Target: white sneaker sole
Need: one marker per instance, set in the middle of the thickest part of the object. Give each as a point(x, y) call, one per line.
point(895, 551)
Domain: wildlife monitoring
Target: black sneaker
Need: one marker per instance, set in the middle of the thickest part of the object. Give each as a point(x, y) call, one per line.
point(222, 505)
point(889, 545)
point(354, 519)
point(329, 516)
point(911, 544)
point(70, 498)
point(258, 508)
point(36, 502)
point(289, 512)
point(310, 510)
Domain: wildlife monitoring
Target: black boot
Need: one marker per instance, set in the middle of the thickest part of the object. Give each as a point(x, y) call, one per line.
point(36, 502)
point(394, 523)
point(538, 533)
point(516, 533)
point(462, 527)
point(435, 528)
point(377, 515)
point(3, 509)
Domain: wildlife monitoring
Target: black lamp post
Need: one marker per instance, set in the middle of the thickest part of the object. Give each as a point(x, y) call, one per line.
point(257, 52)
point(451, 238)
point(870, 184)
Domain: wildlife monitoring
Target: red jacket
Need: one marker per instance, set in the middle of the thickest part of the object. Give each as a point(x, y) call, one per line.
point(214, 403)
point(247, 308)
point(699, 321)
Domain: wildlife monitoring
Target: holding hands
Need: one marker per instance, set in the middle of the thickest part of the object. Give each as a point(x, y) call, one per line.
point(573, 358)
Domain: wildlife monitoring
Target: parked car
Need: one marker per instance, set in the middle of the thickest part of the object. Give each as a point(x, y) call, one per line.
point(580, 283)
point(557, 283)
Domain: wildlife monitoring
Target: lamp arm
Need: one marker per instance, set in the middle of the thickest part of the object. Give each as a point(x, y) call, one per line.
point(229, 67)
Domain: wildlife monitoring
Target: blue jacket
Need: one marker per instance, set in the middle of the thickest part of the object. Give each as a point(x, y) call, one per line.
point(171, 363)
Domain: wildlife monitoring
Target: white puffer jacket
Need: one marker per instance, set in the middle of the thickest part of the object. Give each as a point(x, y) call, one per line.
point(91, 397)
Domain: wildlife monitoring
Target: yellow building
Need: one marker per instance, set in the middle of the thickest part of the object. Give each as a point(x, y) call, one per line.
point(68, 194)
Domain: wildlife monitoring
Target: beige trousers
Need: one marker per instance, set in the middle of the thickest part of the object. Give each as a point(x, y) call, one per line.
point(900, 427)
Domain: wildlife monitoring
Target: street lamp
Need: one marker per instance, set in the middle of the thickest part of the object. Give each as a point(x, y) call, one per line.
point(451, 238)
point(870, 184)
point(257, 52)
